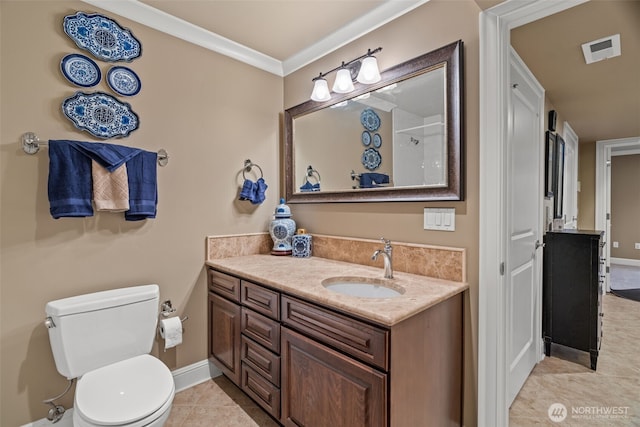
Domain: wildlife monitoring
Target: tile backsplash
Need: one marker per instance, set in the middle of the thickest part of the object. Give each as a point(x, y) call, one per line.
point(433, 261)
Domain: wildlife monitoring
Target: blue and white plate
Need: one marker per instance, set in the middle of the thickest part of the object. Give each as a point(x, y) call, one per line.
point(80, 70)
point(370, 120)
point(102, 36)
point(377, 140)
point(124, 81)
point(100, 114)
point(371, 159)
point(366, 138)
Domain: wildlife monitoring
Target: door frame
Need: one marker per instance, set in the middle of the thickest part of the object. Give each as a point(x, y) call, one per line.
point(495, 26)
point(571, 174)
point(603, 189)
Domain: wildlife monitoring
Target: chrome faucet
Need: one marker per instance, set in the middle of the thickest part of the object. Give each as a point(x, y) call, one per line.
point(386, 256)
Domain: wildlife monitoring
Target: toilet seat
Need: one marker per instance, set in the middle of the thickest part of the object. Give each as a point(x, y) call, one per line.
point(133, 392)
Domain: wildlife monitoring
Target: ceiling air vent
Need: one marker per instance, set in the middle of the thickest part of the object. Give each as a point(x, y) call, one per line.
point(600, 49)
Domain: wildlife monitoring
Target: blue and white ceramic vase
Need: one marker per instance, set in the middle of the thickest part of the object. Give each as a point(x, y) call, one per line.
point(282, 229)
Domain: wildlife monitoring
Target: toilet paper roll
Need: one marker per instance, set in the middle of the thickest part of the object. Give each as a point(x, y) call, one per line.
point(171, 331)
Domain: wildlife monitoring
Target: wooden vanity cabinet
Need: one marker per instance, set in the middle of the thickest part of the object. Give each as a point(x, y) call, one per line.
point(244, 336)
point(325, 388)
point(224, 312)
point(313, 366)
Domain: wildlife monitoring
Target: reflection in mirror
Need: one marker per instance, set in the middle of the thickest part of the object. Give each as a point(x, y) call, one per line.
point(397, 140)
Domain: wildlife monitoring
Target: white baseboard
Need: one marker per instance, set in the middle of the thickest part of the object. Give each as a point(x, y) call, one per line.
point(626, 261)
point(184, 378)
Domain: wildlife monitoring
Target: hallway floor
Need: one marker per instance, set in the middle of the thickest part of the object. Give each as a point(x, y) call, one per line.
point(563, 378)
point(605, 397)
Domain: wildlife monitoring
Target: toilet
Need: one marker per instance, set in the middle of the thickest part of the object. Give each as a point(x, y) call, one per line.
point(103, 339)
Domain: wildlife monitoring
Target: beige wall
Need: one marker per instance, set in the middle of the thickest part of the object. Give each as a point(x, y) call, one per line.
point(625, 206)
point(430, 26)
point(208, 111)
point(587, 179)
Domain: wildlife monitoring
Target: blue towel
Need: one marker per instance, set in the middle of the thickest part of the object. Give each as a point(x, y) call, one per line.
point(143, 186)
point(372, 179)
point(69, 184)
point(259, 196)
point(248, 190)
point(109, 156)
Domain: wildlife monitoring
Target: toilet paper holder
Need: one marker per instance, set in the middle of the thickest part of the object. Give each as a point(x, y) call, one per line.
point(166, 309)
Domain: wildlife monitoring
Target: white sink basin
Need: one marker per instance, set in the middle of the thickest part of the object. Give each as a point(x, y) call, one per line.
point(363, 287)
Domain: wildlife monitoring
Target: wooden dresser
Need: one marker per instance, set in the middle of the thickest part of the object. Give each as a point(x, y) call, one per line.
point(572, 291)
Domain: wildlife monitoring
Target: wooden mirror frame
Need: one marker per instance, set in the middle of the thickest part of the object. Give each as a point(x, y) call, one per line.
point(452, 56)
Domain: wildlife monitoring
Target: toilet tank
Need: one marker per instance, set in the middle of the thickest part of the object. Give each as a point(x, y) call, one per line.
point(89, 331)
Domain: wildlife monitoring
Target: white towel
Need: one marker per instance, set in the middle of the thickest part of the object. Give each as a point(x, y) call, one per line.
point(110, 189)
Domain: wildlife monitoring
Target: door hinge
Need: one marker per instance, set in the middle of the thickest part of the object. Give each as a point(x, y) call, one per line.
point(608, 216)
point(502, 268)
point(608, 270)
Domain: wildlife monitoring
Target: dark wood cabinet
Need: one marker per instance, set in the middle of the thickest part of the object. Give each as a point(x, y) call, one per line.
point(325, 388)
point(224, 336)
point(572, 291)
point(313, 366)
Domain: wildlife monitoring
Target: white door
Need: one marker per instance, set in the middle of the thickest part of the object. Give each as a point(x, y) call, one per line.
point(524, 216)
point(570, 185)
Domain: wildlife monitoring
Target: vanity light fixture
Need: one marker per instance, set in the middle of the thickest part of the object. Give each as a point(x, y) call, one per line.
point(364, 69)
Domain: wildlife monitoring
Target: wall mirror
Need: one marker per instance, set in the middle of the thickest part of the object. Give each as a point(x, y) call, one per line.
point(400, 139)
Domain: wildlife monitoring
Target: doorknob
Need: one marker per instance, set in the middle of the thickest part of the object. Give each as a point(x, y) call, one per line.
point(539, 245)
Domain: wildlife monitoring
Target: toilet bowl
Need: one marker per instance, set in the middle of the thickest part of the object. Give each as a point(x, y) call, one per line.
point(135, 392)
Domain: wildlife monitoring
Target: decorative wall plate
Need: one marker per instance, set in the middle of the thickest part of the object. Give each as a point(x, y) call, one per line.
point(102, 36)
point(366, 138)
point(377, 140)
point(370, 120)
point(80, 70)
point(371, 159)
point(123, 80)
point(100, 114)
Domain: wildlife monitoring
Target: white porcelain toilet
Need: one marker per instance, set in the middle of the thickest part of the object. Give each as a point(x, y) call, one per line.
point(104, 340)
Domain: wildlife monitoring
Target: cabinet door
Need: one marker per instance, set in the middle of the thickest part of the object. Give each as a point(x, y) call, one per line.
point(224, 336)
point(324, 388)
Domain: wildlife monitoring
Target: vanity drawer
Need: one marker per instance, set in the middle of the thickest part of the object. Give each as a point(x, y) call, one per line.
point(224, 284)
point(262, 391)
point(260, 299)
point(261, 329)
point(361, 340)
point(261, 360)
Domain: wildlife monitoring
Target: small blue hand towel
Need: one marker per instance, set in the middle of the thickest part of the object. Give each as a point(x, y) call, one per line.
point(248, 190)
point(69, 184)
point(259, 195)
point(143, 186)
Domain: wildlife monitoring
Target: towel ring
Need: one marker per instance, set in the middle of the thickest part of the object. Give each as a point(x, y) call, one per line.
point(248, 165)
point(312, 173)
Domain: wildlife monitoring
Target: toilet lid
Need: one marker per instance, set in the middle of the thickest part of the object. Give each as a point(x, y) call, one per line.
point(124, 392)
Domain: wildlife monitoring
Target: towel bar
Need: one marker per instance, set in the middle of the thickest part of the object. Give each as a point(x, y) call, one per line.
point(31, 145)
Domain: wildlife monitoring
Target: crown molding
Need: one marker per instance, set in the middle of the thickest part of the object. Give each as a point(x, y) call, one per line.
point(169, 24)
point(154, 18)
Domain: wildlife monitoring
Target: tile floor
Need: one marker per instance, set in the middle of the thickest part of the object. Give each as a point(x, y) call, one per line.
point(563, 378)
point(589, 397)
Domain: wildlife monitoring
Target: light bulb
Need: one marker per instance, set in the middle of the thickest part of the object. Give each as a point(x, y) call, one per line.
point(343, 83)
point(369, 72)
point(320, 90)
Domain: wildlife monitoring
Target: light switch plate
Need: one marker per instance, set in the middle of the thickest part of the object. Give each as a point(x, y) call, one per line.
point(441, 219)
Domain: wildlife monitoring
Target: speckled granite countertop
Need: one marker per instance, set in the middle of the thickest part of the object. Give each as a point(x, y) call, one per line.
point(303, 277)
